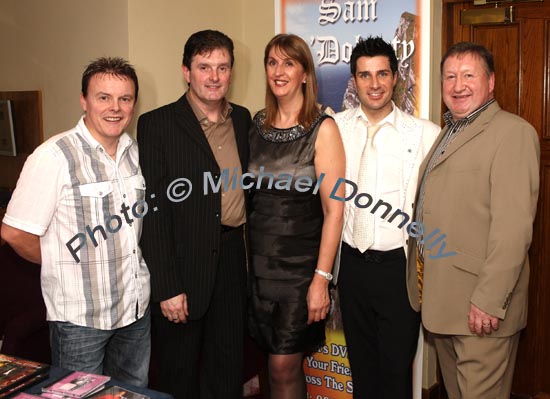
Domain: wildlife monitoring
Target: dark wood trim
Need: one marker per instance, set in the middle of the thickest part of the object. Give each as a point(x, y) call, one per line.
point(540, 395)
point(432, 393)
point(513, 396)
point(436, 391)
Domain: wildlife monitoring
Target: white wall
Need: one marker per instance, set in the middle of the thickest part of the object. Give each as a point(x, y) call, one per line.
point(158, 31)
point(47, 44)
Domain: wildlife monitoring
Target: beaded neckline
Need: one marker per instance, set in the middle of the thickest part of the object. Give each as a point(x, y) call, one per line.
point(277, 135)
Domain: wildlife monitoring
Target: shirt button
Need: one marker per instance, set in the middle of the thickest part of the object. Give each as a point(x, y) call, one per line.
point(134, 251)
point(217, 214)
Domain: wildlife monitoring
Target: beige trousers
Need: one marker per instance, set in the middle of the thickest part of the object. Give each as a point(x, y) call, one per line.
point(477, 367)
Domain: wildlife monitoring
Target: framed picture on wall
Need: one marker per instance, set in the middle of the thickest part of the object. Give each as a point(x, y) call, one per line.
point(7, 134)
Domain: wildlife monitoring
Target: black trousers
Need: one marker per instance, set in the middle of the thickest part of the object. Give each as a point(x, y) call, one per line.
point(380, 327)
point(203, 359)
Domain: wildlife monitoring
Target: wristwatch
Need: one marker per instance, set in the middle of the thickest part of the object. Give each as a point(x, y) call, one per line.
point(326, 275)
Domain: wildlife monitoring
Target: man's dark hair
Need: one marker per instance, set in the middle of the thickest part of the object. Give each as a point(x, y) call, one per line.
point(474, 49)
point(372, 47)
point(112, 66)
point(204, 42)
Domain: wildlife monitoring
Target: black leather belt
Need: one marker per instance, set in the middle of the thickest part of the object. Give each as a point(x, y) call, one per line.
point(372, 255)
point(227, 229)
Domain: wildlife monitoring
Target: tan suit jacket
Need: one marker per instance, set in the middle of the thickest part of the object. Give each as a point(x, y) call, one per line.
point(482, 194)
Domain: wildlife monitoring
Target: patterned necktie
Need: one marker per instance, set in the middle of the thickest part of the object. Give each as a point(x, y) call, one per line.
point(363, 221)
point(419, 274)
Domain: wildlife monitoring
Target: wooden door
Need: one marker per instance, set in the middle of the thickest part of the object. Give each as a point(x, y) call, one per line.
point(522, 64)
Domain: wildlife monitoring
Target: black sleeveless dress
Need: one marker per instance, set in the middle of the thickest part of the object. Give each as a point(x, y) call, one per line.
point(285, 232)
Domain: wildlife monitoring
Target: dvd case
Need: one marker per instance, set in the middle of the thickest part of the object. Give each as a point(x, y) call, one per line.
point(77, 384)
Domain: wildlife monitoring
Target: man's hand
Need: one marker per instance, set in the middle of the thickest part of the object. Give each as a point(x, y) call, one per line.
point(481, 322)
point(175, 309)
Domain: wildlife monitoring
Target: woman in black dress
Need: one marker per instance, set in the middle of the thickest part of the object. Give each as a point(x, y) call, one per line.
point(296, 156)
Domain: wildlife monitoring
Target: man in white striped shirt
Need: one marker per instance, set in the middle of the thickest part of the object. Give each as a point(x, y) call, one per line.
point(77, 211)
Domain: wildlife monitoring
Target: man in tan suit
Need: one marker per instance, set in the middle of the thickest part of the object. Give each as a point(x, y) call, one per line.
point(479, 185)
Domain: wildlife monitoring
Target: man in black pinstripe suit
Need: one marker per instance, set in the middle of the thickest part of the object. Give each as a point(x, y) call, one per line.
point(195, 248)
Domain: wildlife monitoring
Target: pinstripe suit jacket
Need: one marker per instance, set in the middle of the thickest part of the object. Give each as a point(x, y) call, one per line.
point(181, 240)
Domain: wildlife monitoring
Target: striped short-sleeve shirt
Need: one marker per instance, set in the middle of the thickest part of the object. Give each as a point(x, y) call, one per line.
point(87, 209)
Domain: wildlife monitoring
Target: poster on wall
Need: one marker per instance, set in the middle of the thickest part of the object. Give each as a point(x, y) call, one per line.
point(331, 28)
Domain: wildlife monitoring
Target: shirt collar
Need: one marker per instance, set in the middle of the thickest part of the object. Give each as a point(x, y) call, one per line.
point(201, 116)
point(389, 119)
point(124, 140)
point(450, 122)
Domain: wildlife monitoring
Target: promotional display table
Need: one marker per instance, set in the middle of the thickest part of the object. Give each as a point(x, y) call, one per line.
point(57, 373)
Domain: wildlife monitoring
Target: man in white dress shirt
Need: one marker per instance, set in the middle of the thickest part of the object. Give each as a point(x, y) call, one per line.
point(384, 149)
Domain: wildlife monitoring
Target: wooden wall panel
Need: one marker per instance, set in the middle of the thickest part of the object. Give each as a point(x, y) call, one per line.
point(546, 114)
point(503, 42)
point(532, 64)
point(540, 319)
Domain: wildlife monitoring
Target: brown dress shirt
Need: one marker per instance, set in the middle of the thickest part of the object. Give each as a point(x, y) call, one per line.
point(221, 137)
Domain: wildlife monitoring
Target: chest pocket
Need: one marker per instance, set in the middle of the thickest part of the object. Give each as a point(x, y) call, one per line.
point(96, 190)
point(96, 201)
point(137, 182)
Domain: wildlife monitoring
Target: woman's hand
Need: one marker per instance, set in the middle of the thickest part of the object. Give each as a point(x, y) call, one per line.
point(318, 299)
